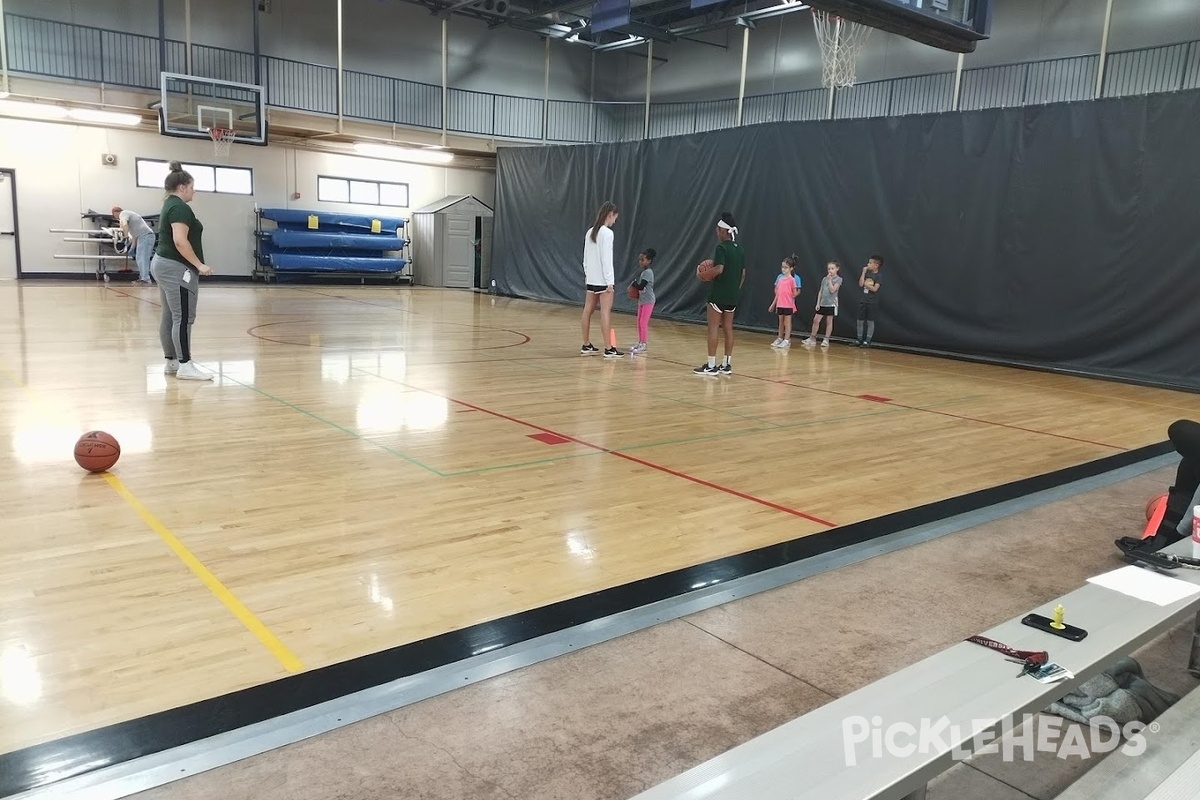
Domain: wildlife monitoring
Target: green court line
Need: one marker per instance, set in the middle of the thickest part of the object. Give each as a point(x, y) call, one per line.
point(336, 426)
point(650, 394)
point(535, 462)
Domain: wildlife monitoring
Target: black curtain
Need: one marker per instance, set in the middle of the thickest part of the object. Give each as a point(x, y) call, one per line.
point(1066, 235)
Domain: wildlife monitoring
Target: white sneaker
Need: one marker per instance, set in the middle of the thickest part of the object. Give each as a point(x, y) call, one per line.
point(777, 342)
point(825, 343)
point(808, 342)
point(172, 366)
point(785, 344)
point(189, 372)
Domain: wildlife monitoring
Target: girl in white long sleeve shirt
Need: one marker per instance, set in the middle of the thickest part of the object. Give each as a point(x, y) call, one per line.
point(599, 280)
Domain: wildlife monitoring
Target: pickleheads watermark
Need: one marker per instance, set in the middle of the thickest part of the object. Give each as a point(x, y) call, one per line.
point(1014, 740)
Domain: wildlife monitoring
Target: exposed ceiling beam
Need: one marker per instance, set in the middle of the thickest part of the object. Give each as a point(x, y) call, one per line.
point(741, 19)
point(641, 29)
point(448, 10)
point(564, 6)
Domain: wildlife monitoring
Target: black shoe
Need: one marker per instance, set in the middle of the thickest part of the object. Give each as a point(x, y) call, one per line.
point(705, 369)
point(589, 349)
point(725, 369)
point(612, 352)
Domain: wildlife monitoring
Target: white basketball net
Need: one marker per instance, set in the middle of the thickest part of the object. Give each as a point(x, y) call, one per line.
point(222, 140)
point(841, 41)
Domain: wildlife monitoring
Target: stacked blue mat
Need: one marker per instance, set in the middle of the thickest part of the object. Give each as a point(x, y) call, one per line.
point(340, 242)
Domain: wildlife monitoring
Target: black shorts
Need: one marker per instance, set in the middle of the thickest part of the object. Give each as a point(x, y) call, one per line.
point(866, 311)
point(826, 311)
point(722, 307)
point(596, 289)
point(785, 312)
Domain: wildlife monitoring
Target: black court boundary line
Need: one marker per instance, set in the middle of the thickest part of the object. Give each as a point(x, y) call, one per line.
point(44, 764)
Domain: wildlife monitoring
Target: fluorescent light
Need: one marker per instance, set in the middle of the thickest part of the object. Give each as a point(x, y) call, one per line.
point(39, 110)
point(21, 108)
point(375, 150)
point(104, 117)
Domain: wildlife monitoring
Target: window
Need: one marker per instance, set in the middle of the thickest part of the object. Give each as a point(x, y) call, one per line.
point(365, 193)
point(151, 174)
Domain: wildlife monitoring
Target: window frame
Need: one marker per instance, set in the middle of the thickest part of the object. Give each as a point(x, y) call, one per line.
point(378, 185)
point(188, 165)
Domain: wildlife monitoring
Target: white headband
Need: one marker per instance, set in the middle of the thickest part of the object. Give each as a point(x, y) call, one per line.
point(732, 230)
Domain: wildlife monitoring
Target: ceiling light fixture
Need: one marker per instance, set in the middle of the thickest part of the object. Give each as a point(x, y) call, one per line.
point(103, 117)
point(378, 150)
point(21, 108)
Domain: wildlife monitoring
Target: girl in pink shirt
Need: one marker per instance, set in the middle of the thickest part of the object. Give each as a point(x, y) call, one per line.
point(787, 287)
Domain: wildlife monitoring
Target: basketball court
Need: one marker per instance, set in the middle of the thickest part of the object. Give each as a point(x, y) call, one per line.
point(373, 469)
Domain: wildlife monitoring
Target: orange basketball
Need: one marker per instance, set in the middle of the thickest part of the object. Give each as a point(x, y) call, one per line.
point(1153, 503)
point(96, 451)
point(706, 270)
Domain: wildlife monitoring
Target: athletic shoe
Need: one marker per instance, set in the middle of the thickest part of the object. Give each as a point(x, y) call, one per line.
point(588, 349)
point(705, 369)
point(189, 372)
point(786, 344)
point(172, 366)
point(808, 342)
point(825, 343)
point(612, 352)
point(777, 342)
point(725, 369)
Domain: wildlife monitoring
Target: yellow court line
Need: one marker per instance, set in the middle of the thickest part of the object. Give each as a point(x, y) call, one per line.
point(244, 615)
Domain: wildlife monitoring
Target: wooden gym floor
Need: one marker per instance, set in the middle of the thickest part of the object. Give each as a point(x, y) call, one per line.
point(376, 466)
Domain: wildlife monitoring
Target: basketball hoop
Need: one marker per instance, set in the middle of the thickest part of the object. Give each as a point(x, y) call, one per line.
point(222, 140)
point(841, 42)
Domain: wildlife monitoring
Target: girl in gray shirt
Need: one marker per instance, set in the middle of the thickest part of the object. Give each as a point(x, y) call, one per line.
point(645, 287)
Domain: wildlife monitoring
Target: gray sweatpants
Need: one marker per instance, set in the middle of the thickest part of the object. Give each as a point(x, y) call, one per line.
point(179, 287)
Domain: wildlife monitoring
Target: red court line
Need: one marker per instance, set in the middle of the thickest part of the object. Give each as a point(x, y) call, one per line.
point(700, 481)
point(918, 408)
point(134, 296)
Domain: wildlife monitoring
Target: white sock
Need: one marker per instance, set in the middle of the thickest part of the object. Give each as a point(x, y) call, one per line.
point(727, 360)
point(712, 362)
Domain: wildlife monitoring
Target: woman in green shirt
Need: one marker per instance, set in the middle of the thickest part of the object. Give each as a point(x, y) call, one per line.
point(177, 266)
point(723, 296)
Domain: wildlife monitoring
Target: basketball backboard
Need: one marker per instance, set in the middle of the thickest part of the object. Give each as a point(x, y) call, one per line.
point(191, 106)
point(954, 25)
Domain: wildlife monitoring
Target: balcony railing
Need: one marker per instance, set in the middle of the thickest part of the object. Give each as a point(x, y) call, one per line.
point(45, 48)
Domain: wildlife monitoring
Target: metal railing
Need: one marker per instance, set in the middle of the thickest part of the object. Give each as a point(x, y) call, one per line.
point(67, 51)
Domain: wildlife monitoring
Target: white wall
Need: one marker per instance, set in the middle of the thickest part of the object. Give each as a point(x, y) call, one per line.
point(60, 176)
point(381, 37)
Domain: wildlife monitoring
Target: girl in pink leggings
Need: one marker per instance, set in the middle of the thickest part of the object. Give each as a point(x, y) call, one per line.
point(645, 285)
